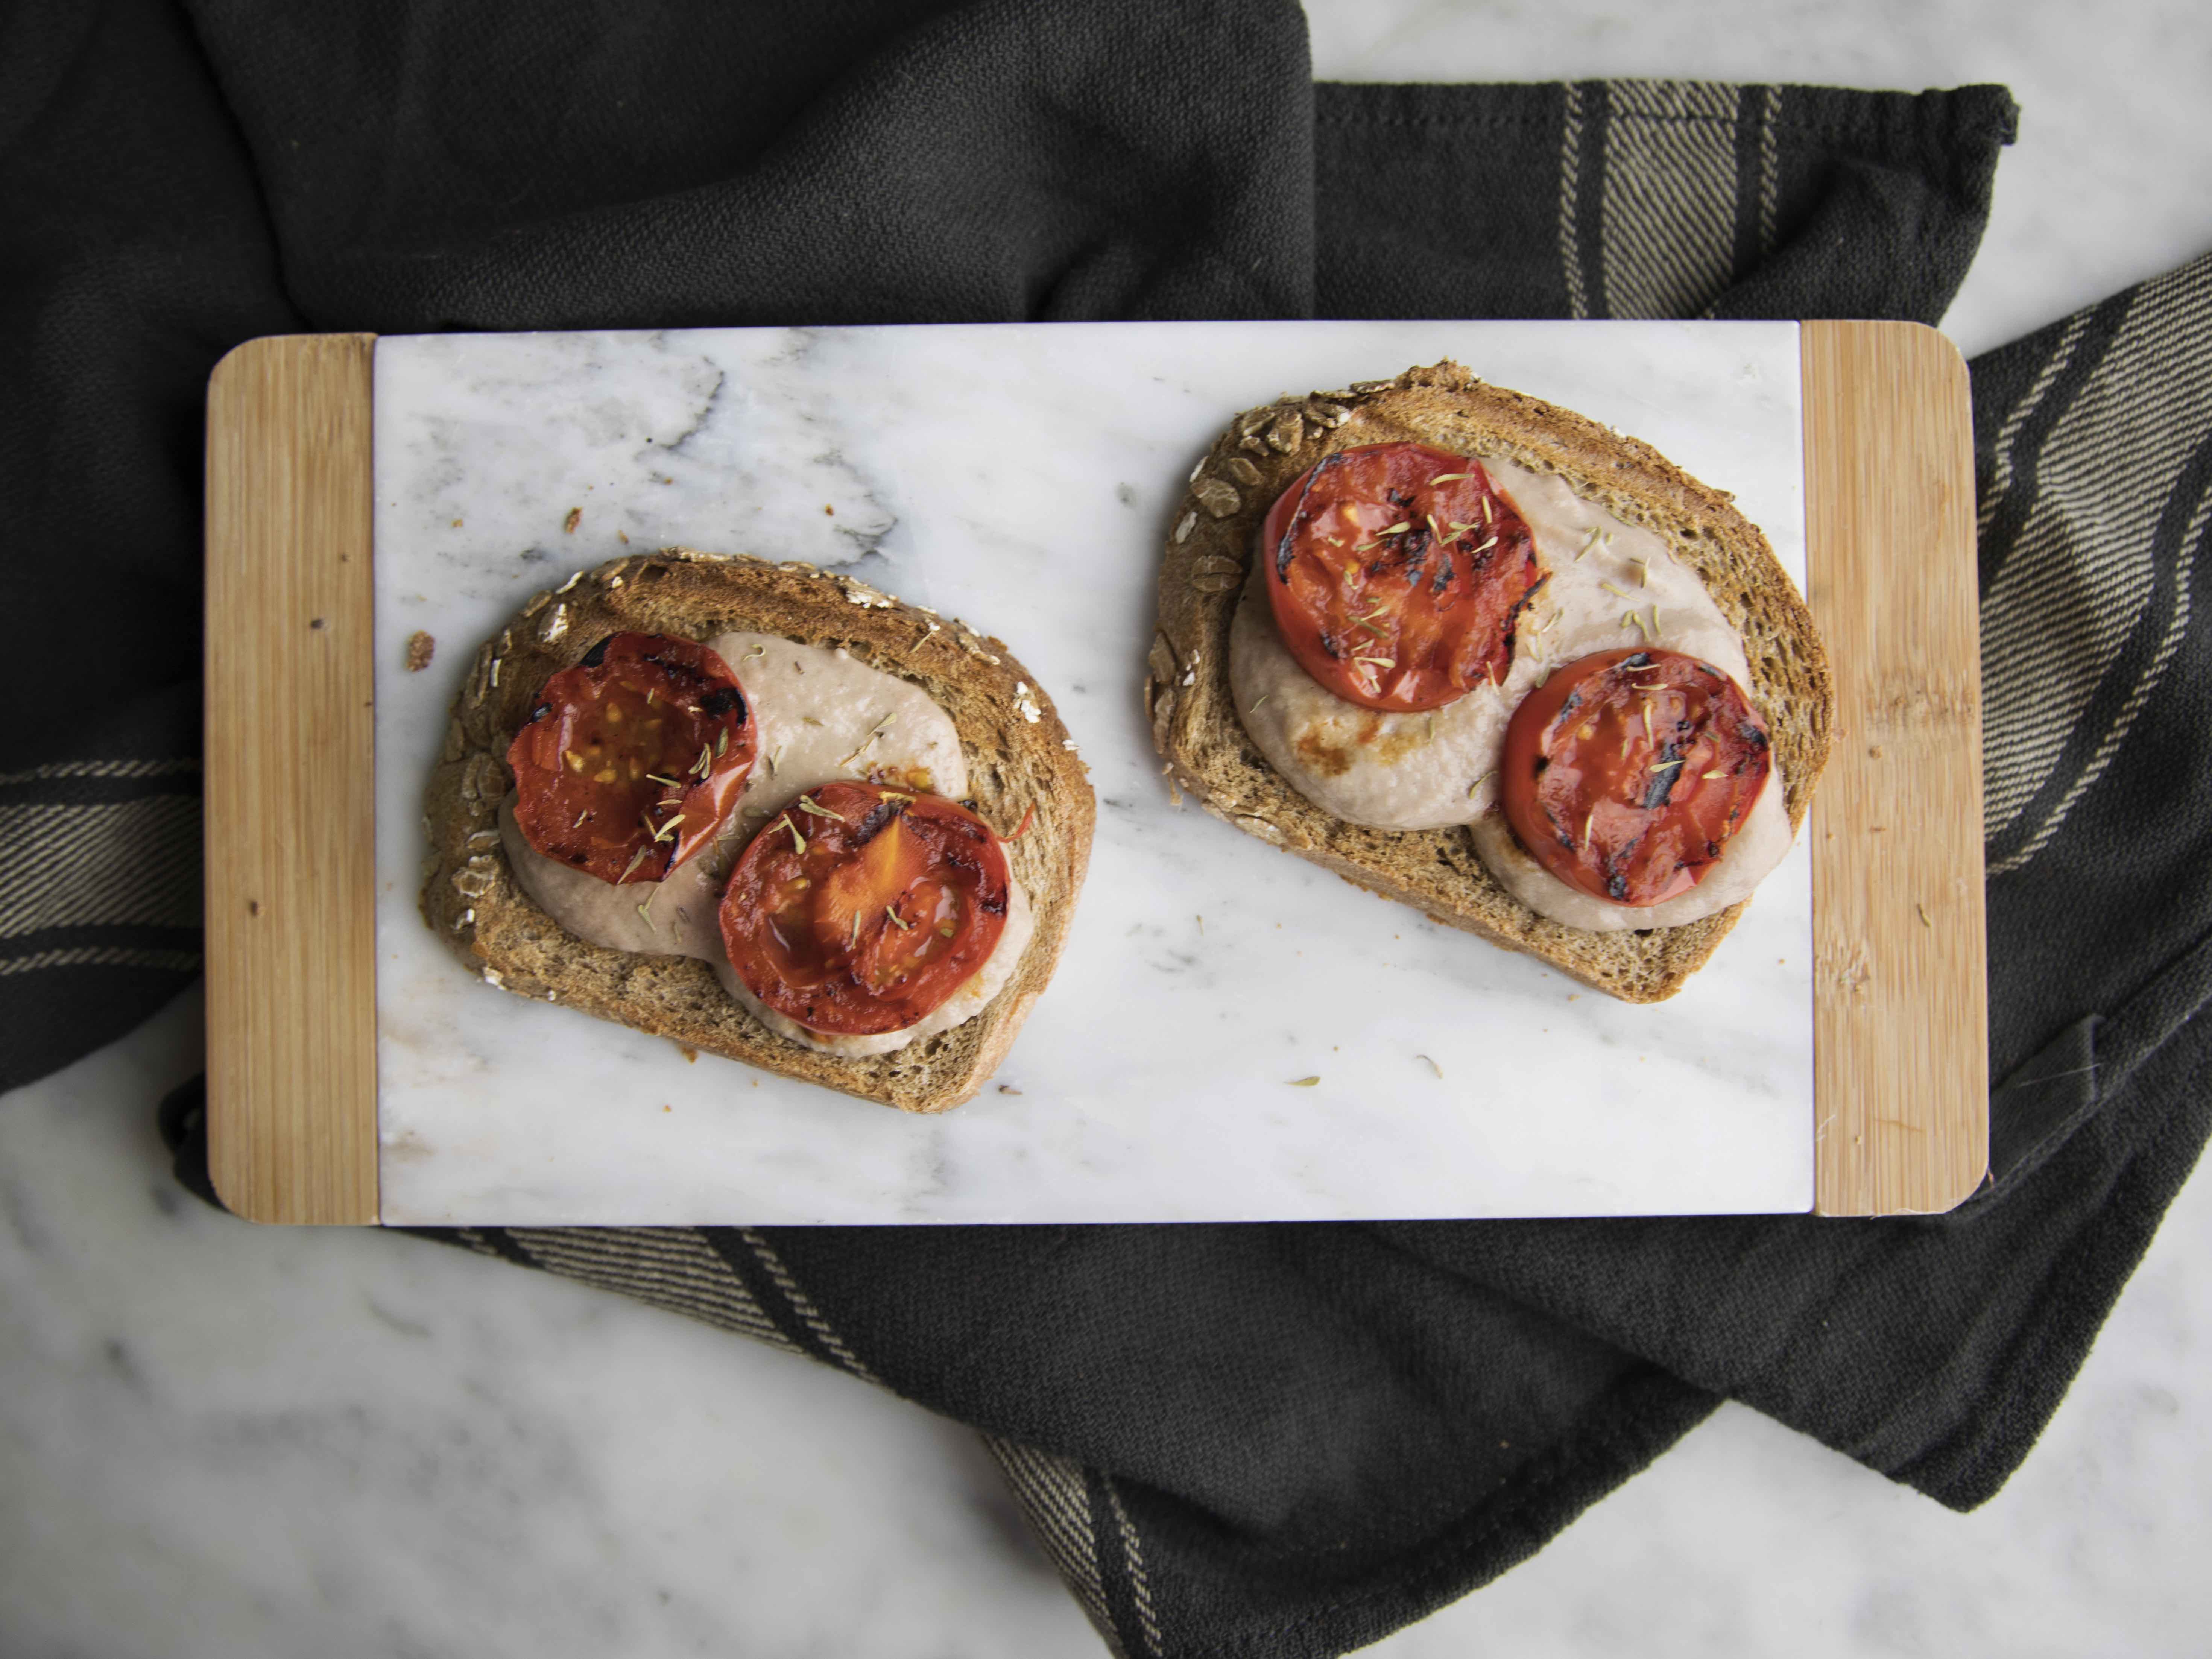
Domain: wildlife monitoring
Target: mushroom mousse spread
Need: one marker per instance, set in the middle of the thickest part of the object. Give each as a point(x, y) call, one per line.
point(1404, 603)
point(817, 724)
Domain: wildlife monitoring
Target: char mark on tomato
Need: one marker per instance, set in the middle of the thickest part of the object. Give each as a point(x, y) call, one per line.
point(1627, 773)
point(1284, 549)
point(631, 760)
point(870, 922)
point(1664, 772)
point(1521, 605)
point(878, 815)
point(1400, 572)
point(723, 700)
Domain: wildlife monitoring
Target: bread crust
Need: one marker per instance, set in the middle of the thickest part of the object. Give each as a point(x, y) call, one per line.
point(1019, 755)
point(1193, 717)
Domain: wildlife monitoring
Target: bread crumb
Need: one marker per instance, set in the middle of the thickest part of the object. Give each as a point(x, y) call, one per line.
point(828, 511)
point(420, 649)
point(1433, 1066)
point(1304, 1082)
point(1008, 1089)
point(457, 524)
point(576, 517)
point(690, 1057)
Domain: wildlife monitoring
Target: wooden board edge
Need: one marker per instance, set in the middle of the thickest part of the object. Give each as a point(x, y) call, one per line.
point(1900, 970)
point(290, 803)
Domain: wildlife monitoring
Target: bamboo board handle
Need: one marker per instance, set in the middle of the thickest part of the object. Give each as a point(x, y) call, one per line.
point(1901, 994)
point(291, 802)
point(1901, 1057)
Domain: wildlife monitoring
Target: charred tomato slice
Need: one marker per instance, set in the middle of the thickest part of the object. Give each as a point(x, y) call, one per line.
point(1396, 573)
point(861, 909)
point(1625, 773)
point(632, 760)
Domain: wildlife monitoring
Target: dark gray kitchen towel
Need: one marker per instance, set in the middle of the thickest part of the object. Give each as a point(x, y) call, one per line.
point(1231, 1439)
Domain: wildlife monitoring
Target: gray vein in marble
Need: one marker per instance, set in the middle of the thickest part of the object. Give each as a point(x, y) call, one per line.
point(498, 1109)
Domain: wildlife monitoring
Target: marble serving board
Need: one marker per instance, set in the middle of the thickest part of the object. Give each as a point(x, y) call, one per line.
point(1023, 478)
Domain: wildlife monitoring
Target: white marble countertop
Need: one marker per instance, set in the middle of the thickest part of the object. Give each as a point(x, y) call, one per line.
point(493, 1109)
point(221, 1440)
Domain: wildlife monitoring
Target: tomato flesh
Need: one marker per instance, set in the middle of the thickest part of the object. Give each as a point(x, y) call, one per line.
point(1397, 573)
point(632, 760)
point(1627, 773)
point(862, 910)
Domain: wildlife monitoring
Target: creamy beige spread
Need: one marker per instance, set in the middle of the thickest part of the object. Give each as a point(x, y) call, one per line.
point(1439, 769)
point(671, 918)
point(822, 717)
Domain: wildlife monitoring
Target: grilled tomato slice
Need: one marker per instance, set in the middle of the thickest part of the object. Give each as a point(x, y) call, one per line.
point(632, 760)
point(862, 909)
point(1396, 573)
point(1625, 773)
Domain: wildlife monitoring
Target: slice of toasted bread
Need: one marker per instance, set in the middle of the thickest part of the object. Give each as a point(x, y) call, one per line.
point(1194, 721)
point(1019, 758)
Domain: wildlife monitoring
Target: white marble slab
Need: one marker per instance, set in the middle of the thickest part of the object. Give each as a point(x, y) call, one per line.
point(1021, 477)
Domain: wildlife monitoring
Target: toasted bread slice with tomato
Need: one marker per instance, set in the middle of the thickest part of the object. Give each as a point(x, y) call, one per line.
point(1021, 765)
point(1193, 717)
